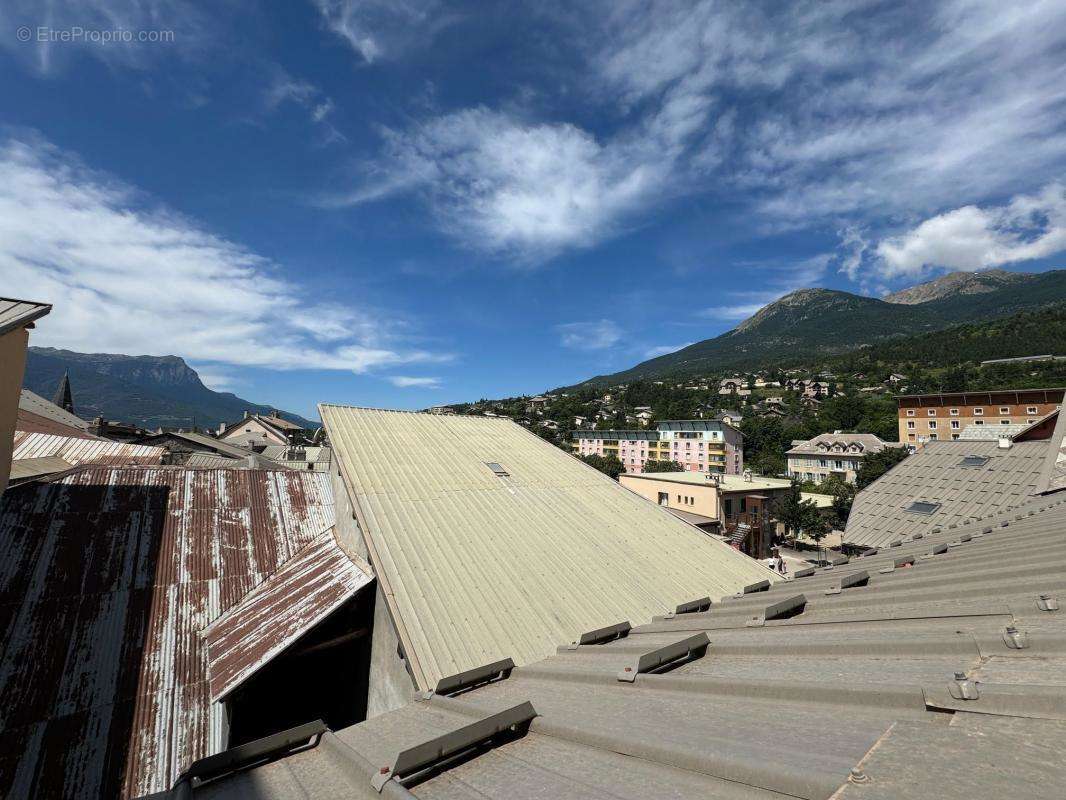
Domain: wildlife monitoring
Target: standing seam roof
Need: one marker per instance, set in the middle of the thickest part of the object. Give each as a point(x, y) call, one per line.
point(477, 567)
point(76, 450)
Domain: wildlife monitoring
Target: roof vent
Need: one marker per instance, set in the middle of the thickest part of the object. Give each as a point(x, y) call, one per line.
point(975, 461)
point(1005, 442)
point(496, 468)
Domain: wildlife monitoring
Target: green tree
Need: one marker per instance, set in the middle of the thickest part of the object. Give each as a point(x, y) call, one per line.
point(608, 465)
point(797, 514)
point(874, 465)
point(663, 466)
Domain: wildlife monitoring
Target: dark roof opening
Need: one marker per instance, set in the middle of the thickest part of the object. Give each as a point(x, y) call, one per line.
point(922, 507)
point(500, 471)
point(974, 461)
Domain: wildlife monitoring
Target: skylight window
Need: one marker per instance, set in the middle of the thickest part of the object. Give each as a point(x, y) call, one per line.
point(922, 507)
point(973, 461)
point(496, 468)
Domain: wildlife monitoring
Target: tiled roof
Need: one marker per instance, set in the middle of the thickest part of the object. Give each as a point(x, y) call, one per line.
point(107, 576)
point(869, 442)
point(478, 563)
point(1008, 479)
point(930, 669)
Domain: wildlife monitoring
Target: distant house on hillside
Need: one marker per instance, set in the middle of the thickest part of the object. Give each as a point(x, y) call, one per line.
point(260, 430)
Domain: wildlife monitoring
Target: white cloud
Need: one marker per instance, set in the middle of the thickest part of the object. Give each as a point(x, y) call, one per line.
point(377, 29)
point(126, 279)
point(408, 382)
point(597, 335)
point(502, 185)
point(975, 238)
point(284, 88)
point(655, 352)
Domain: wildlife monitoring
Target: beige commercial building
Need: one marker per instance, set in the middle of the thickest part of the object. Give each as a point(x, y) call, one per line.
point(942, 417)
point(737, 506)
point(16, 318)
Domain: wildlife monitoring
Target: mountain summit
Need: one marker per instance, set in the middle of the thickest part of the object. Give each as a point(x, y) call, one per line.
point(959, 283)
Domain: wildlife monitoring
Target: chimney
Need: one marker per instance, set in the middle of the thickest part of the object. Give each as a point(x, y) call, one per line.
point(1005, 442)
point(246, 415)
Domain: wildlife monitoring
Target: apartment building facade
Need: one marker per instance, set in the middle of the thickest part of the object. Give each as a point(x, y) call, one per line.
point(932, 417)
point(699, 445)
point(832, 455)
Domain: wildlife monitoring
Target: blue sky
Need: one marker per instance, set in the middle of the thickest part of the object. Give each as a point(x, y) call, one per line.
point(405, 202)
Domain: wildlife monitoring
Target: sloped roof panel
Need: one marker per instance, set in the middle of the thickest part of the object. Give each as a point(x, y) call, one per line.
point(479, 567)
point(37, 405)
point(849, 698)
point(1008, 479)
point(20, 313)
point(315, 582)
point(77, 450)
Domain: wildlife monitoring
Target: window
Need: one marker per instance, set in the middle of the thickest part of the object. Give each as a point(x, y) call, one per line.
point(1030, 409)
point(1004, 422)
point(974, 461)
point(910, 437)
point(910, 424)
point(931, 412)
point(823, 462)
point(954, 437)
point(496, 468)
point(978, 422)
point(922, 507)
point(954, 412)
point(932, 424)
point(932, 437)
point(910, 412)
point(664, 498)
point(978, 412)
point(1004, 409)
point(955, 424)
point(1030, 421)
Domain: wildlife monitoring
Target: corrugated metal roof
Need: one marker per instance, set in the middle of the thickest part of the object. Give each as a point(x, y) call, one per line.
point(250, 461)
point(851, 698)
point(202, 440)
point(26, 468)
point(84, 451)
point(1008, 479)
point(20, 313)
point(477, 567)
point(107, 576)
point(37, 405)
point(312, 454)
point(290, 602)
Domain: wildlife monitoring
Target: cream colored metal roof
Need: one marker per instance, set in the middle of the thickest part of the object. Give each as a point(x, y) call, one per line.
point(477, 566)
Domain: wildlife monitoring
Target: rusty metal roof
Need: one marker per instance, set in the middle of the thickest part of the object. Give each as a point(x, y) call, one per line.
point(107, 577)
point(77, 450)
point(290, 602)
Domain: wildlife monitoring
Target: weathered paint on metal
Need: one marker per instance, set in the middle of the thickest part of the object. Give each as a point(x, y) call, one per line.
point(291, 601)
point(107, 577)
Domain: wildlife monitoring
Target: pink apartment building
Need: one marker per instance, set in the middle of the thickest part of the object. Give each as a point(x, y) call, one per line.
point(698, 445)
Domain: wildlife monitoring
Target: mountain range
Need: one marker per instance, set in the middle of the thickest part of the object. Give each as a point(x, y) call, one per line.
point(150, 391)
point(808, 324)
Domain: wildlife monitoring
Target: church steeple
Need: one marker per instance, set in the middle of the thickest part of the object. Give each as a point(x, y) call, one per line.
point(64, 399)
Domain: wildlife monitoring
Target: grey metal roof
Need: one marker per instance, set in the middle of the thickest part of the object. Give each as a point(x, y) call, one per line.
point(201, 440)
point(248, 461)
point(20, 313)
point(35, 404)
point(868, 442)
point(24, 469)
point(855, 696)
point(936, 473)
